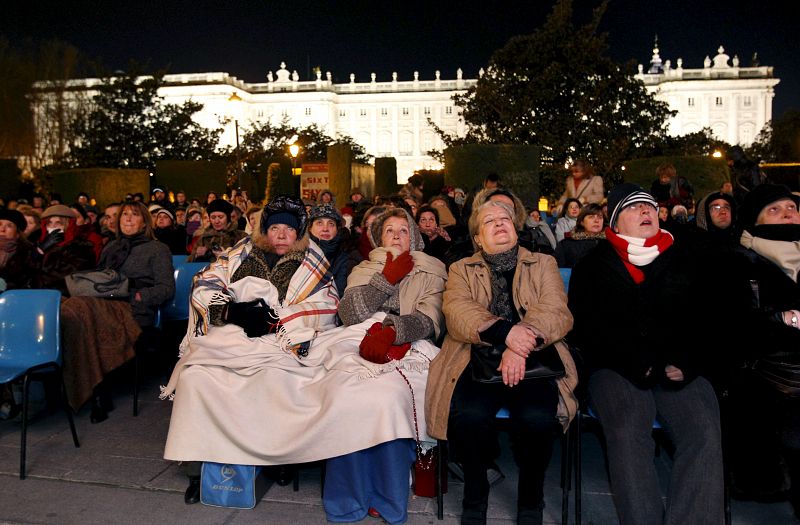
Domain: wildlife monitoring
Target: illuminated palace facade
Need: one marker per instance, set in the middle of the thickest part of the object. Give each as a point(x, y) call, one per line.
point(389, 118)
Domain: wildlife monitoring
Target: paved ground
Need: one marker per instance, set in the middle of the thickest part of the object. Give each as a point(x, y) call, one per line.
point(119, 476)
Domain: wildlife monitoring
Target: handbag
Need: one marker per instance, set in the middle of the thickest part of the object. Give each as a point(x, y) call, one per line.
point(541, 364)
point(108, 284)
point(781, 371)
point(425, 467)
point(231, 486)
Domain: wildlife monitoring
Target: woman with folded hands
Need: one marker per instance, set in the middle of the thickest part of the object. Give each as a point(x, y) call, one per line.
point(511, 300)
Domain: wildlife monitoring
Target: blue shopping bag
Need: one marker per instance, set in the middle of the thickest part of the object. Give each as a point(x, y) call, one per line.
point(232, 486)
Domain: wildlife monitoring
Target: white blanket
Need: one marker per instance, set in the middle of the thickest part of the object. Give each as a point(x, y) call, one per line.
point(245, 401)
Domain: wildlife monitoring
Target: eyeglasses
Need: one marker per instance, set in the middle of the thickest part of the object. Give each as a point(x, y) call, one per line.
point(716, 208)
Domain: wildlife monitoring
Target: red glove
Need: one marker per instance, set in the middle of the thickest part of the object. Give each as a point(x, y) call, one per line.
point(376, 344)
point(398, 352)
point(395, 269)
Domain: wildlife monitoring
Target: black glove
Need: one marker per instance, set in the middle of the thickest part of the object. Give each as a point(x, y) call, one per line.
point(51, 239)
point(256, 317)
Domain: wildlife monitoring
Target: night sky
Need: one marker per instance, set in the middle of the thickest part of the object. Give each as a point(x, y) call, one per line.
point(247, 39)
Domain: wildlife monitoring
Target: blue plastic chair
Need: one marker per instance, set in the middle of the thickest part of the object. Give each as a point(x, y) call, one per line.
point(30, 348)
point(566, 273)
point(177, 309)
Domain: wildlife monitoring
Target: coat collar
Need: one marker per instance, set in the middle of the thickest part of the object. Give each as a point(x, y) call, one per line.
point(524, 257)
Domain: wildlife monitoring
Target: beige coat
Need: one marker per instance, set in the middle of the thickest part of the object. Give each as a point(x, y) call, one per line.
point(420, 290)
point(541, 302)
point(590, 190)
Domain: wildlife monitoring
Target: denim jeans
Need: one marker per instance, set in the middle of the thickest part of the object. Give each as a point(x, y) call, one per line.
point(690, 415)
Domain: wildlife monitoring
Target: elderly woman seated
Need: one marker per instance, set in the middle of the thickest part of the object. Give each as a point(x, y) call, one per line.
point(262, 328)
point(405, 283)
point(513, 301)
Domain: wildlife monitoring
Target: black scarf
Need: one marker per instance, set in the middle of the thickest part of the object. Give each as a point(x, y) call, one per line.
point(116, 253)
point(503, 265)
point(329, 248)
point(777, 232)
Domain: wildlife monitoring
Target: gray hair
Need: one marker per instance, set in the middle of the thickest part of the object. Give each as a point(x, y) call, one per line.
point(473, 224)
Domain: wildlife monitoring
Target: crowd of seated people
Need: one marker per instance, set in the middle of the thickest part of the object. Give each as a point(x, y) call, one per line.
point(334, 317)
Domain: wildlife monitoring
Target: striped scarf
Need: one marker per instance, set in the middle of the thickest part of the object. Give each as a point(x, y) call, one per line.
point(635, 251)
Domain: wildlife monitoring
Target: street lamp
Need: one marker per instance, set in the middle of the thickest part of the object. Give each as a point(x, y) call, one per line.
point(294, 149)
point(236, 100)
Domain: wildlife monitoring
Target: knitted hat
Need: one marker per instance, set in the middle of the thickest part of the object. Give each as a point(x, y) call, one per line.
point(325, 211)
point(356, 190)
point(14, 216)
point(624, 195)
point(165, 212)
point(59, 210)
point(220, 205)
point(285, 209)
point(758, 198)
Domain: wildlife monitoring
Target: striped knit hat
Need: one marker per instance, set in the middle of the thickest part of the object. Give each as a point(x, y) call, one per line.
point(624, 195)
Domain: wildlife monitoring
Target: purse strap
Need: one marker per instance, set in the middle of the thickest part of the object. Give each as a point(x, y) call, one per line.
point(416, 425)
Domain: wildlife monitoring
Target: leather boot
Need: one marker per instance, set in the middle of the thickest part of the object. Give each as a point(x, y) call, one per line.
point(192, 494)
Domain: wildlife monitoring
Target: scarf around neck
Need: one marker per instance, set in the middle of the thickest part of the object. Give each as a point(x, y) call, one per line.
point(501, 264)
point(7, 249)
point(636, 252)
point(778, 243)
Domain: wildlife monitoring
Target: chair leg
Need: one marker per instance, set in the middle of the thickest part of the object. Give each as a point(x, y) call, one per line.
point(135, 385)
point(68, 411)
point(441, 465)
point(566, 457)
point(578, 479)
point(24, 438)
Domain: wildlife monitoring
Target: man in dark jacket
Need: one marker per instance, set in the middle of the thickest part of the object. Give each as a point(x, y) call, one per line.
point(634, 299)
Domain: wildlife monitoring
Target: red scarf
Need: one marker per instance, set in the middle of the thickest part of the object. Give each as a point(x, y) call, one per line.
point(636, 252)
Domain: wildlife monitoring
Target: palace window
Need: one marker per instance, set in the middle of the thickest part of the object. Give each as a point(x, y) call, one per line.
point(690, 102)
point(363, 112)
point(308, 112)
point(342, 112)
point(384, 112)
point(427, 110)
point(718, 101)
point(405, 111)
point(448, 110)
point(747, 101)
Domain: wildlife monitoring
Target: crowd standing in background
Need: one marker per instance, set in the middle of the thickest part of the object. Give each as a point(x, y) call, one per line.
point(353, 297)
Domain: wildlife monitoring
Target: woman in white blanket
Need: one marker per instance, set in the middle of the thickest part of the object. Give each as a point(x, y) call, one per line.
point(401, 281)
point(265, 378)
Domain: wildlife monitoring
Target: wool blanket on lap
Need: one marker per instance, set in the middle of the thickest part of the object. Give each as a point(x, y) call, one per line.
point(247, 401)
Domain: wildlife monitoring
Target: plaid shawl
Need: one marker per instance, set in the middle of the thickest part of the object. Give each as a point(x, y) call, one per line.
point(309, 307)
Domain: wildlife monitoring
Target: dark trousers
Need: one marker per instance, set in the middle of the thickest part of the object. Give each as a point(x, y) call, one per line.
point(472, 434)
point(691, 417)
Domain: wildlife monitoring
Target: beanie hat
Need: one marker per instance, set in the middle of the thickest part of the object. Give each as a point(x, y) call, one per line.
point(758, 198)
point(14, 216)
point(624, 195)
point(166, 212)
point(325, 211)
point(220, 205)
point(285, 209)
point(59, 210)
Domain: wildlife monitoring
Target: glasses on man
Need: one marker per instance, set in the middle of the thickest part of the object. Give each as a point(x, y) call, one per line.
point(716, 208)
